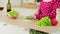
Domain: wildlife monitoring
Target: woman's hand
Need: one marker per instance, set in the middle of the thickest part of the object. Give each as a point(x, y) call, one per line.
point(33, 17)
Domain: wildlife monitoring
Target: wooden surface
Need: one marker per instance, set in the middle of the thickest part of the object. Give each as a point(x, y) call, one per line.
point(28, 24)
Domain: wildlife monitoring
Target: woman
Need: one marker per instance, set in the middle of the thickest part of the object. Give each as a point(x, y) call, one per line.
point(48, 9)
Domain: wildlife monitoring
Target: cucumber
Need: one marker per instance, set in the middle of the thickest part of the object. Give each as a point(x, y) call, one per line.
point(32, 31)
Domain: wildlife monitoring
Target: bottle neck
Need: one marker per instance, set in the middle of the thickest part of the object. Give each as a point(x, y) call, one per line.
point(8, 1)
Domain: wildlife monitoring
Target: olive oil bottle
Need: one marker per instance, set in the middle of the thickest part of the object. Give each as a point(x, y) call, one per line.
point(8, 6)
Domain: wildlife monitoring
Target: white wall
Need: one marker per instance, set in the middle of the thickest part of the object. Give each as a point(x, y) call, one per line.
point(14, 2)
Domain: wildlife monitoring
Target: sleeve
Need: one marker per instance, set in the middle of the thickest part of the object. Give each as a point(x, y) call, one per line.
point(52, 14)
point(59, 4)
point(38, 16)
point(41, 0)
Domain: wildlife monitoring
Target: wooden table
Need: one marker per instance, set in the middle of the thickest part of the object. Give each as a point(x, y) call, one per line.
point(28, 24)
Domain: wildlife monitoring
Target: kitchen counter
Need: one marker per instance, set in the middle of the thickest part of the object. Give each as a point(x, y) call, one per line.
point(30, 24)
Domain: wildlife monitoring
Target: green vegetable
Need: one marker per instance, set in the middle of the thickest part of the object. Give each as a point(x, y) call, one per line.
point(26, 17)
point(13, 13)
point(32, 31)
point(45, 21)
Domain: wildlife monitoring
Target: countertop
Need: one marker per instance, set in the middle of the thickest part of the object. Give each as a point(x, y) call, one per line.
point(29, 24)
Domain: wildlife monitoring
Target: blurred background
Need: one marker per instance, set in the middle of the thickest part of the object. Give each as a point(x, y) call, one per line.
point(19, 3)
